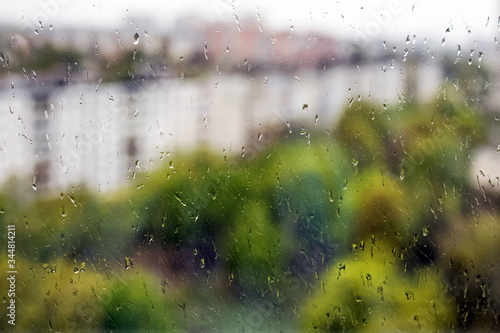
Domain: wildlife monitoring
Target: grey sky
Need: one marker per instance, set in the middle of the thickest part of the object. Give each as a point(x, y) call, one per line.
point(424, 18)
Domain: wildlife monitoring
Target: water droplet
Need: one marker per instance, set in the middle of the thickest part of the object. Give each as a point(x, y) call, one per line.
point(163, 219)
point(330, 196)
point(443, 41)
point(128, 263)
point(98, 84)
point(459, 52)
point(178, 197)
point(136, 38)
point(237, 21)
point(351, 100)
point(408, 39)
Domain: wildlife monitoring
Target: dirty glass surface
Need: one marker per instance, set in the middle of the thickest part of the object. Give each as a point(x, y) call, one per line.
point(237, 166)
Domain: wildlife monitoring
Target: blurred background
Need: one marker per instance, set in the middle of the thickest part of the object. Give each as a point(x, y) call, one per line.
point(244, 166)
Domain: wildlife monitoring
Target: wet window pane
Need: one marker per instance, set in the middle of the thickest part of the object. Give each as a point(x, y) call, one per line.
point(226, 166)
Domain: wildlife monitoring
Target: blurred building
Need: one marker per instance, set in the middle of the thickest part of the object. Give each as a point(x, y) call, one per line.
point(61, 132)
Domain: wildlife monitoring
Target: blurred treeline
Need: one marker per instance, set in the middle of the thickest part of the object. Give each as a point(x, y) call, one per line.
point(53, 64)
point(371, 225)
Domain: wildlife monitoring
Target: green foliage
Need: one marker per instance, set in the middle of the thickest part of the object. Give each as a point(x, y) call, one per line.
point(389, 184)
point(420, 151)
point(56, 295)
point(257, 248)
point(46, 57)
point(304, 187)
point(135, 302)
point(380, 207)
point(75, 226)
point(368, 292)
point(471, 82)
point(470, 246)
point(362, 131)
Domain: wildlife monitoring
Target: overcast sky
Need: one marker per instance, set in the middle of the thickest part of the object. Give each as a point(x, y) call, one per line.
point(374, 18)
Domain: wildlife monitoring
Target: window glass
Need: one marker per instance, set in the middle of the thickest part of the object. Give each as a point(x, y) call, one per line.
point(243, 166)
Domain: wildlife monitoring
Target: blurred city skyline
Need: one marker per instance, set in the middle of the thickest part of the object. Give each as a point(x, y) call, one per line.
point(240, 62)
